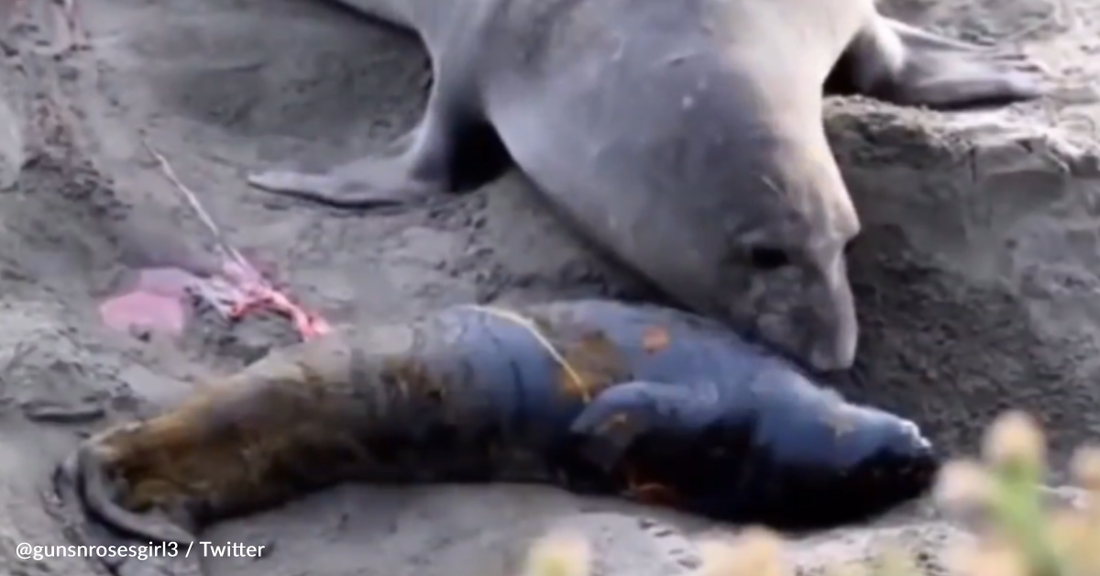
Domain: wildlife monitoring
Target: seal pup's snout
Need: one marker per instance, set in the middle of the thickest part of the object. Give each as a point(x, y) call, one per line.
point(890, 459)
point(920, 459)
point(907, 443)
point(911, 438)
point(853, 462)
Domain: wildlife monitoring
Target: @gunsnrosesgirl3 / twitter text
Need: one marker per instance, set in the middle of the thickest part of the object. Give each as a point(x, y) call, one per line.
point(28, 551)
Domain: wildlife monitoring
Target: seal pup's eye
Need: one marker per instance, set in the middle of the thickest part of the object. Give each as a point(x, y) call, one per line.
point(768, 258)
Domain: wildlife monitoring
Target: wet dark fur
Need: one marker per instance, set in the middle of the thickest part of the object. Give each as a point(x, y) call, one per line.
point(471, 395)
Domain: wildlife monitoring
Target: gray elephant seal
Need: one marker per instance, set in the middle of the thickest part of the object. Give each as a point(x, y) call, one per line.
point(683, 138)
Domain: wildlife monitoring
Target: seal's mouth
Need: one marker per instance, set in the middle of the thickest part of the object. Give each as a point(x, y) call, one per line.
point(920, 475)
point(904, 479)
point(925, 472)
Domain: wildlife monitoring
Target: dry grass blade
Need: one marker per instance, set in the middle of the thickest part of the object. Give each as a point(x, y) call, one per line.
point(530, 326)
point(193, 201)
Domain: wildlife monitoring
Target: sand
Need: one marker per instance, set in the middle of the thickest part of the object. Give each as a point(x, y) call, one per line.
point(976, 274)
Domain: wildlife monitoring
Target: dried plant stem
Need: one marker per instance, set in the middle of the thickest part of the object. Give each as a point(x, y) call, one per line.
point(527, 324)
point(204, 216)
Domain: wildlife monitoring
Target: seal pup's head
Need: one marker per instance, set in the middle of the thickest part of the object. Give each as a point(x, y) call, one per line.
point(789, 455)
point(842, 465)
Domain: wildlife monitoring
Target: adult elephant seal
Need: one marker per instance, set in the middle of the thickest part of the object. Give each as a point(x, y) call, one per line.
point(685, 138)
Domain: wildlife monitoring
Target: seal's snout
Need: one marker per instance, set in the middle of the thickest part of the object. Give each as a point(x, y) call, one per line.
point(910, 439)
point(919, 456)
point(833, 336)
point(908, 446)
point(899, 463)
point(832, 355)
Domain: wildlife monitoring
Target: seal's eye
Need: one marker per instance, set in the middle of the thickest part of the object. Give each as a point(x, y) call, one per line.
point(768, 258)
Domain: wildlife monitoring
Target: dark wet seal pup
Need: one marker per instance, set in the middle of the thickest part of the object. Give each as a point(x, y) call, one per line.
point(684, 139)
point(593, 396)
point(697, 457)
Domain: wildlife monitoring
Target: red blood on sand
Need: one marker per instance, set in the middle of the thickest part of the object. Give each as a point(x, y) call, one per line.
point(258, 294)
point(143, 310)
point(156, 301)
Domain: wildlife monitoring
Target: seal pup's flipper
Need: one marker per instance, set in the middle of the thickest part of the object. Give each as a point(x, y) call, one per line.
point(87, 471)
point(450, 150)
point(83, 480)
point(607, 428)
point(66, 499)
point(609, 425)
point(899, 63)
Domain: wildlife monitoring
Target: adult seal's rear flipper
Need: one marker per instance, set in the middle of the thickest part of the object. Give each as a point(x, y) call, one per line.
point(365, 183)
point(449, 150)
point(899, 63)
point(618, 416)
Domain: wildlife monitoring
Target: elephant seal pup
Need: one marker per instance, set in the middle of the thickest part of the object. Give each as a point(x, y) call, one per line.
point(593, 396)
point(684, 139)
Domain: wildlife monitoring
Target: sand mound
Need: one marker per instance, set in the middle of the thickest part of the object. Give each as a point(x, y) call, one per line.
point(976, 274)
